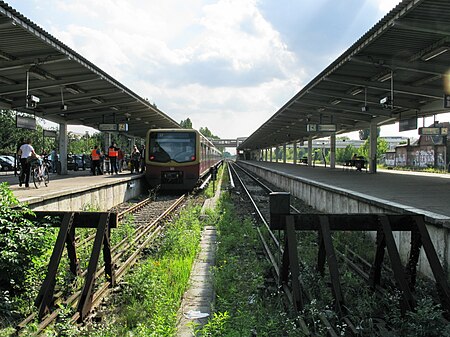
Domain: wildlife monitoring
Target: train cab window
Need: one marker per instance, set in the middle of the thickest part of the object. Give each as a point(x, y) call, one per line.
point(176, 146)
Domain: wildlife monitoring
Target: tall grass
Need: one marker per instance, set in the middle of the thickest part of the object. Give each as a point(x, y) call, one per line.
point(245, 304)
point(152, 292)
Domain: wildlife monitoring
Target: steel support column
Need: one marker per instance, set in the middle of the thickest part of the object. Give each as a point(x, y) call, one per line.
point(373, 148)
point(333, 151)
point(309, 151)
point(295, 153)
point(63, 147)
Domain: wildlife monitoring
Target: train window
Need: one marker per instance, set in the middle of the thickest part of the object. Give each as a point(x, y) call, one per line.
point(176, 146)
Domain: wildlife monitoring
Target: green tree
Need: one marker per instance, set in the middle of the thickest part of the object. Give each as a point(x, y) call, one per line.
point(346, 153)
point(10, 135)
point(382, 147)
point(186, 124)
point(207, 133)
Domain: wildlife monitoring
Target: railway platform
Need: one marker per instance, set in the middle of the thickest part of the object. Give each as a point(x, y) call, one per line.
point(78, 190)
point(419, 192)
point(389, 192)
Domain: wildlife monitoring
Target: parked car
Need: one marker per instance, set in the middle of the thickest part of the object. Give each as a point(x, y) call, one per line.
point(6, 164)
point(10, 158)
point(76, 162)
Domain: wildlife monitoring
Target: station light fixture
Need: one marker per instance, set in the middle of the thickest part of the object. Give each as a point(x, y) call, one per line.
point(355, 91)
point(97, 100)
point(40, 74)
point(335, 101)
point(434, 53)
point(425, 80)
point(385, 77)
point(74, 89)
point(6, 56)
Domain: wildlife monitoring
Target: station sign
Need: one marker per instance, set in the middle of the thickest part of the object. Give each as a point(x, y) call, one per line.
point(447, 101)
point(107, 127)
point(25, 122)
point(321, 127)
point(50, 133)
point(433, 131)
point(407, 124)
point(326, 127)
point(122, 127)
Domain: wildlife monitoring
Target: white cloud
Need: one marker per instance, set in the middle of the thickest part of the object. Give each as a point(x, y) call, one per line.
point(221, 64)
point(384, 6)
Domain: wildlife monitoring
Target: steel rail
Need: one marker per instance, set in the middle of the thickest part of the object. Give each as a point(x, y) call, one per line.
point(330, 330)
point(85, 241)
point(261, 217)
point(352, 262)
point(143, 229)
point(267, 188)
point(272, 259)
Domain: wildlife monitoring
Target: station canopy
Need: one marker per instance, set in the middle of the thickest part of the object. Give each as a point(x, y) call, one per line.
point(70, 89)
point(399, 70)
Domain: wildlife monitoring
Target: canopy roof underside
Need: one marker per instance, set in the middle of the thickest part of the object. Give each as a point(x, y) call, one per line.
point(59, 76)
point(405, 56)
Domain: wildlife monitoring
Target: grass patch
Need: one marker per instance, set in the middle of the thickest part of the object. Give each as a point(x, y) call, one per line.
point(245, 304)
point(151, 294)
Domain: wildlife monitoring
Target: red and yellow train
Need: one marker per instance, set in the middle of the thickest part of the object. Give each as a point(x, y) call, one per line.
point(177, 159)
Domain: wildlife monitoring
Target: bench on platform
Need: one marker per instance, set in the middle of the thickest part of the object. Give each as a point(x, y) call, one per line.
point(359, 164)
point(304, 160)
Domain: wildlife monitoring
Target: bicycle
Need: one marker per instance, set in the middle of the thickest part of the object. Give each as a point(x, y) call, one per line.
point(39, 172)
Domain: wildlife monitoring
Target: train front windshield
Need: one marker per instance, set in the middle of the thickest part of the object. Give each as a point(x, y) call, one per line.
point(176, 146)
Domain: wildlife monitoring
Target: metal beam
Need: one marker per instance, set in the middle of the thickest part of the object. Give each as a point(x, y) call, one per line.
point(40, 85)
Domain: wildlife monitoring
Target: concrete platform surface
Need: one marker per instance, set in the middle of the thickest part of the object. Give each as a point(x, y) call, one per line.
point(60, 185)
point(429, 192)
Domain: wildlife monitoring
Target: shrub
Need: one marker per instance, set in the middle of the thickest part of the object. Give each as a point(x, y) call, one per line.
point(21, 245)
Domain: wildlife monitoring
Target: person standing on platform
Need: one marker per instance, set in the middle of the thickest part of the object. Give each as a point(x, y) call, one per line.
point(95, 161)
point(18, 164)
point(142, 159)
point(105, 161)
point(25, 151)
point(135, 159)
point(54, 159)
point(113, 154)
point(120, 157)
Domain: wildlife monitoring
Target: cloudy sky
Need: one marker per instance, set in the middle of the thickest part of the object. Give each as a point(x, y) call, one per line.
point(226, 64)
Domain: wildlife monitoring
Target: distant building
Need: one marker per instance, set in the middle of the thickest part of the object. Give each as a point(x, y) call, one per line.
point(427, 151)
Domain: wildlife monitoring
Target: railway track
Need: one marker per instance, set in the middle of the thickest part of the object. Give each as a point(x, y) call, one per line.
point(148, 223)
point(258, 192)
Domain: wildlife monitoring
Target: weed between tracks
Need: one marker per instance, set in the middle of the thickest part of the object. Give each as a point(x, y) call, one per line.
point(150, 296)
point(245, 304)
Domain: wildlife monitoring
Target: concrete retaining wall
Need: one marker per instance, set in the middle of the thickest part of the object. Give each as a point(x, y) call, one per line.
point(329, 199)
point(101, 197)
